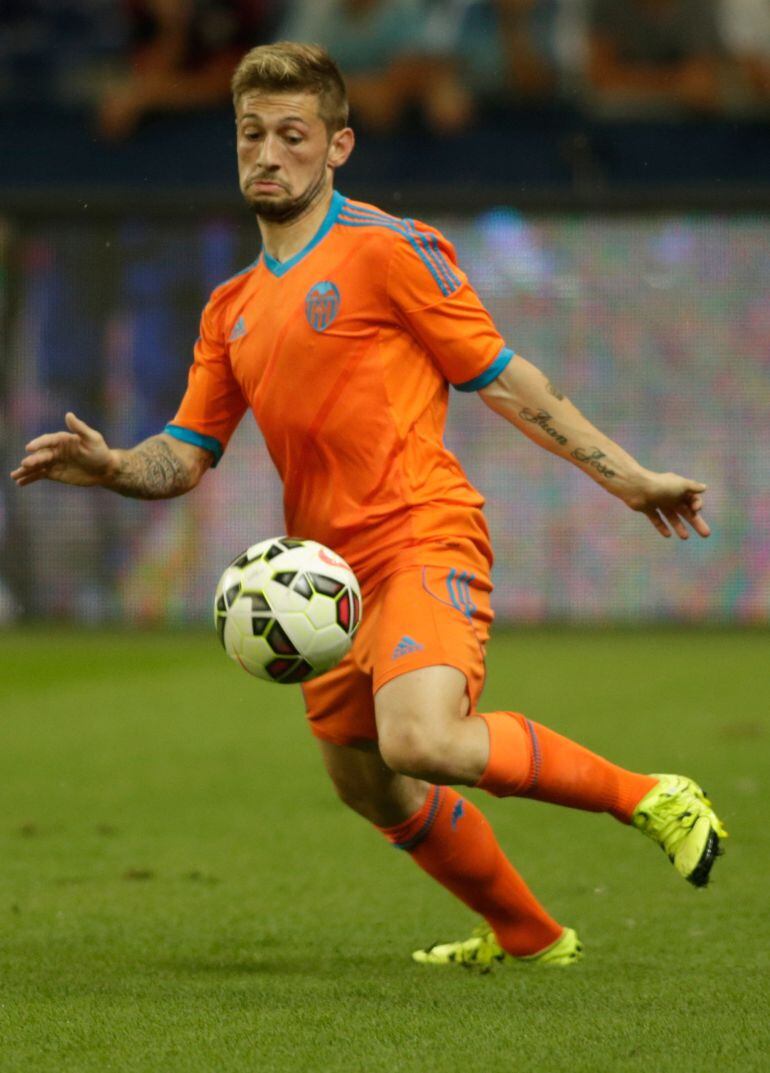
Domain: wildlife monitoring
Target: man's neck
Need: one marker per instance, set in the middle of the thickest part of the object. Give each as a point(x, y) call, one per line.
point(283, 240)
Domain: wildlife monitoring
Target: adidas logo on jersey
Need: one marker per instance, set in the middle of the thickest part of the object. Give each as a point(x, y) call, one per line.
point(406, 646)
point(239, 330)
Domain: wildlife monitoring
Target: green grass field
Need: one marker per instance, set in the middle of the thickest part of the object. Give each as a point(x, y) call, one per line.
point(181, 892)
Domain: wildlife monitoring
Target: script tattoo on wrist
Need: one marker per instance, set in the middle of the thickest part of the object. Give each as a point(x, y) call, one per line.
point(541, 419)
point(592, 457)
point(553, 391)
point(151, 471)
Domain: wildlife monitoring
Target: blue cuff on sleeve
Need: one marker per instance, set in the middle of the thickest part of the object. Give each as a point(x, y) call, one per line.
point(197, 439)
point(489, 374)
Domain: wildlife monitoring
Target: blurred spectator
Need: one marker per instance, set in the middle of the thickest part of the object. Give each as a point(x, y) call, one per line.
point(184, 52)
point(649, 56)
point(56, 49)
point(393, 55)
point(507, 49)
point(745, 27)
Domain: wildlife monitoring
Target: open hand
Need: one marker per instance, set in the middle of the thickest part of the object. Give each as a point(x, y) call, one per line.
point(78, 456)
point(669, 501)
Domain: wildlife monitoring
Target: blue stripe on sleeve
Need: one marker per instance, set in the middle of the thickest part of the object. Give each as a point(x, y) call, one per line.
point(432, 252)
point(424, 242)
point(441, 256)
point(434, 260)
point(350, 221)
point(368, 211)
point(197, 439)
point(490, 374)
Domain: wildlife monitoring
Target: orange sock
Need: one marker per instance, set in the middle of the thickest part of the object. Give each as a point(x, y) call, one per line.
point(529, 760)
point(452, 841)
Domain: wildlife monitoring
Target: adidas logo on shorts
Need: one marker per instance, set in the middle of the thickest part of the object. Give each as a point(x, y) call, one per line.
point(406, 646)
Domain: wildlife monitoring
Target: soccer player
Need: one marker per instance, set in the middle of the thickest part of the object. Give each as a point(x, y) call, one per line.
point(375, 312)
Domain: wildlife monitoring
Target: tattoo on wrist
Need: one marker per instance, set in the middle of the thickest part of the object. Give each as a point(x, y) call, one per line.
point(553, 391)
point(592, 457)
point(542, 419)
point(151, 471)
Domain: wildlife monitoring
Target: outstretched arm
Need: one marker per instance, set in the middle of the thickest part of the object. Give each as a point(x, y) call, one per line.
point(524, 396)
point(158, 468)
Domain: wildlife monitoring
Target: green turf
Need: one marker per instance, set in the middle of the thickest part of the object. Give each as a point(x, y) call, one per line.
point(180, 891)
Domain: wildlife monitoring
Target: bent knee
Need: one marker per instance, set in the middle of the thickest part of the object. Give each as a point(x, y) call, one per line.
point(412, 749)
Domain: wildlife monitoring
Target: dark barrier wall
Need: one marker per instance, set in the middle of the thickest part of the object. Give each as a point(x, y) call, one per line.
point(656, 325)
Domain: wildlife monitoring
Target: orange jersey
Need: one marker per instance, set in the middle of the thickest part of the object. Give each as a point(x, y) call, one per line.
point(344, 354)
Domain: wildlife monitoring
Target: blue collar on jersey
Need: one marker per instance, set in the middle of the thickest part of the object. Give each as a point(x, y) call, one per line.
point(280, 268)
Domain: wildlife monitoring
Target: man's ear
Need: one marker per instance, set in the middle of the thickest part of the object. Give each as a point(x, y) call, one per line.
point(340, 147)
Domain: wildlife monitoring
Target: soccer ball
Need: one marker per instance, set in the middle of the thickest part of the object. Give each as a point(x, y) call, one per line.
point(287, 610)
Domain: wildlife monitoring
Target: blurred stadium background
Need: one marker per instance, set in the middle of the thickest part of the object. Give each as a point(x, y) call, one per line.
point(604, 171)
point(180, 889)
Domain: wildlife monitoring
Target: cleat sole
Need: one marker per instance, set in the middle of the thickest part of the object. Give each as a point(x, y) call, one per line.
point(699, 877)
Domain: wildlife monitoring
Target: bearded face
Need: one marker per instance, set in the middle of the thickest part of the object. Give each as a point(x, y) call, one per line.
point(283, 153)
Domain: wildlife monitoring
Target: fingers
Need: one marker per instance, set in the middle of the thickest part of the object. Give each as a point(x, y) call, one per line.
point(693, 516)
point(41, 459)
point(674, 502)
point(51, 439)
point(674, 517)
point(701, 526)
point(692, 513)
point(658, 522)
point(696, 503)
point(676, 523)
point(44, 451)
point(23, 478)
point(33, 467)
point(78, 431)
point(74, 424)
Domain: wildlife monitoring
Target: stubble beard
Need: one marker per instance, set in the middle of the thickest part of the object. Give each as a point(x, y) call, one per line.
point(284, 210)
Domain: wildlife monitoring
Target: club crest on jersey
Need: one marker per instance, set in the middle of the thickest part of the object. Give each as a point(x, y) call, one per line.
point(322, 305)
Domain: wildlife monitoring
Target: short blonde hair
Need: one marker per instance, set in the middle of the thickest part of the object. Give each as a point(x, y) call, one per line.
point(287, 66)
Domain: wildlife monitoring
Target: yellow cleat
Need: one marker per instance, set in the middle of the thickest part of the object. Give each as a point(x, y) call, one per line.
point(482, 952)
point(678, 816)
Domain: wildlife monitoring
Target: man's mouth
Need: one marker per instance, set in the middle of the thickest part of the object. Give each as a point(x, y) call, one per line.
point(266, 185)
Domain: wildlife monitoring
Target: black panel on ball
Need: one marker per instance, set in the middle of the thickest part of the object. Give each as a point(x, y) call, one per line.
point(279, 641)
point(285, 577)
point(298, 673)
point(302, 586)
point(327, 586)
point(260, 624)
point(278, 667)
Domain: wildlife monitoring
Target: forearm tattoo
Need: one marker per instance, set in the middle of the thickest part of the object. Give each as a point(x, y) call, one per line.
point(592, 457)
point(589, 456)
point(151, 471)
point(541, 418)
point(553, 391)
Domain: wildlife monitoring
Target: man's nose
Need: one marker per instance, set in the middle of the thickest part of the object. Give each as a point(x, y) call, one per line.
point(268, 152)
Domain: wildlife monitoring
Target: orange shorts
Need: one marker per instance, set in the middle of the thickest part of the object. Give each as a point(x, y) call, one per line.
point(422, 616)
